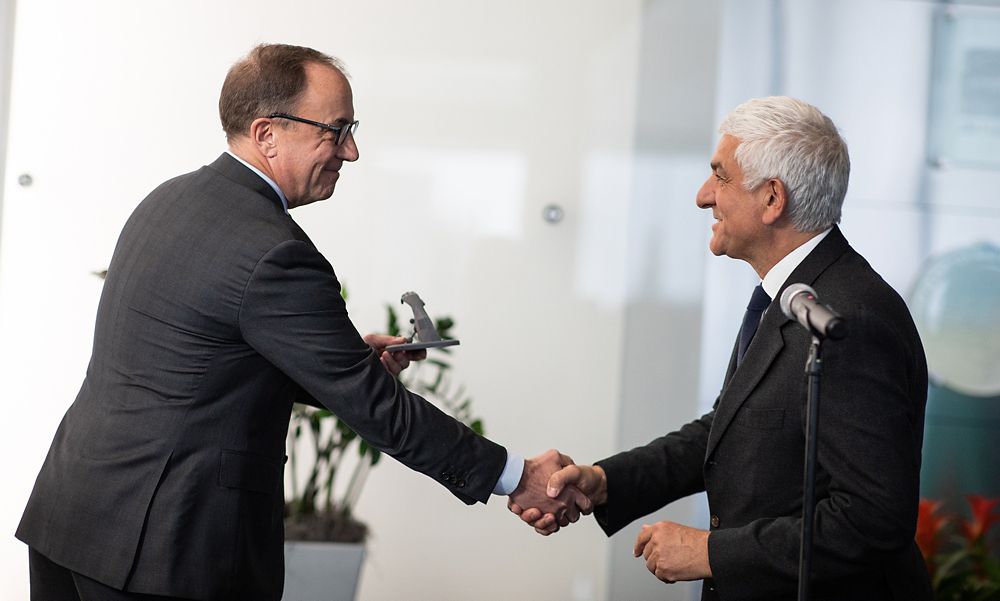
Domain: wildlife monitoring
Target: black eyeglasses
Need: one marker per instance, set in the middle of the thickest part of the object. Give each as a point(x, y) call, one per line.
point(340, 132)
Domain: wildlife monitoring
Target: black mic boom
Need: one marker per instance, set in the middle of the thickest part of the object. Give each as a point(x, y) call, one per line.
point(798, 303)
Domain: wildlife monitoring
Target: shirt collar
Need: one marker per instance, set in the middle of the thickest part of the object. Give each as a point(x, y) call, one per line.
point(270, 182)
point(774, 278)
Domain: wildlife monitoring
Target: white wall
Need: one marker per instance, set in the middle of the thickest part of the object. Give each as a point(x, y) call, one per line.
point(6, 53)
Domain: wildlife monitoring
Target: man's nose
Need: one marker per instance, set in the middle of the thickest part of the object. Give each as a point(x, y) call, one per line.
point(348, 151)
point(705, 198)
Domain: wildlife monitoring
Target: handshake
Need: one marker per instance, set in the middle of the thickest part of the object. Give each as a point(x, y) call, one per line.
point(554, 491)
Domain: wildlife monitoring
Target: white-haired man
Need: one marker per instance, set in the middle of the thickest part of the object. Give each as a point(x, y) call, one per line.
point(779, 177)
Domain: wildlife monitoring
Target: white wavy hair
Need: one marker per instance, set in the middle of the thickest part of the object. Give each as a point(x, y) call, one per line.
point(791, 140)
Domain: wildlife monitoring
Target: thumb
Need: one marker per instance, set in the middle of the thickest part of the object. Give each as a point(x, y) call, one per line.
point(567, 475)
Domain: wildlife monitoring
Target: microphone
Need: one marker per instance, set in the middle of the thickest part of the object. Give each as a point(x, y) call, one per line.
point(798, 303)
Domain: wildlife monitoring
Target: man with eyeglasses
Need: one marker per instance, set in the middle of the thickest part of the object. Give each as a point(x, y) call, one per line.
point(164, 479)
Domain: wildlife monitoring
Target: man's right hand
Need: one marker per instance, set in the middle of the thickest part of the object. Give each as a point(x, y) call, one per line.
point(590, 480)
point(535, 491)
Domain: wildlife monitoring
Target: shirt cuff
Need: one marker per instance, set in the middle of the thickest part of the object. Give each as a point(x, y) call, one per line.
point(511, 475)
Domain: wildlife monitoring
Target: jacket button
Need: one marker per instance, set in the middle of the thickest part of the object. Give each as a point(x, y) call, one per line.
point(460, 483)
point(715, 521)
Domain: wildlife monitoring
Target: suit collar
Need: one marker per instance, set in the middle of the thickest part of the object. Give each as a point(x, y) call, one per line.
point(231, 169)
point(770, 338)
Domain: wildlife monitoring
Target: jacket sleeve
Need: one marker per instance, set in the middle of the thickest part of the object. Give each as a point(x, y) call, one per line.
point(870, 430)
point(646, 478)
point(292, 313)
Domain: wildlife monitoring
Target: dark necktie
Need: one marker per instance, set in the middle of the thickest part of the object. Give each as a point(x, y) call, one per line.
point(751, 319)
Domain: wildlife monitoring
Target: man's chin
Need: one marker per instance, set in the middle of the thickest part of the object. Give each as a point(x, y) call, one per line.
point(327, 193)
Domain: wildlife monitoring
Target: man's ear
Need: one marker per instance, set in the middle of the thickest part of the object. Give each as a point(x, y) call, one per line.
point(263, 136)
point(775, 201)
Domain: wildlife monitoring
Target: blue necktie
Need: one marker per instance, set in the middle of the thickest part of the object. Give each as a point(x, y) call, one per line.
point(751, 319)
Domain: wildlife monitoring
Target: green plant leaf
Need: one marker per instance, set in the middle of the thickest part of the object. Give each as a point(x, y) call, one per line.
point(325, 449)
point(443, 326)
point(391, 321)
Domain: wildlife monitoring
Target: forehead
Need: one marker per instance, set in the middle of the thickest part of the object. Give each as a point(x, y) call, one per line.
point(725, 152)
point(327, 91)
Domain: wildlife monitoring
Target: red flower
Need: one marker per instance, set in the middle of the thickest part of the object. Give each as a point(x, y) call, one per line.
point(929, 524)
point(983, 517)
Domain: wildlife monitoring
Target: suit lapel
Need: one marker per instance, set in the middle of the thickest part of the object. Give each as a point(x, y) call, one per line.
point(768, 341)
point(766, 344)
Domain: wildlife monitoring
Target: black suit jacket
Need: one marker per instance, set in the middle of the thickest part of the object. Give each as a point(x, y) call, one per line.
point(166, 474)
point(748, 452)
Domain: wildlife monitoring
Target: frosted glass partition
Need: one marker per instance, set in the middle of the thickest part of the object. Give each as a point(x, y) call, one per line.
point(965, 92)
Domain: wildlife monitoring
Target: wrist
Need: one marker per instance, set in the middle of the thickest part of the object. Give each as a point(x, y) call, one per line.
point(600, 495)
point(707, 560)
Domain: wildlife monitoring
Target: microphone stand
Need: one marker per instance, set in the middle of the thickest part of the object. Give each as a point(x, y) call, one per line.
point(814, 368)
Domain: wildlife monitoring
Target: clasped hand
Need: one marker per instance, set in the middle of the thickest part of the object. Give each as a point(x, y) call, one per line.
point(559, 505)
point(584, 485)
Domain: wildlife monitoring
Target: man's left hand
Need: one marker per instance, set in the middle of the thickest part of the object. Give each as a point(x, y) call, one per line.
point(397, 361)
point(674, 552)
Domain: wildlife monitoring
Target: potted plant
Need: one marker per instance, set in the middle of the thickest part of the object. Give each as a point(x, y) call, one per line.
point(960, 555)
point(328, 465)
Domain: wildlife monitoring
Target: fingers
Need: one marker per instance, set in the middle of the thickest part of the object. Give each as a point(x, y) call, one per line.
point(390, 364)
point(380, 341)
point(547, 525)
point(531, 515)
point(401, 358)
point(552, 475)
point(396, 361)
point(580, 501)
point(642, 540)
point(547, 522)
point(514, 507)
point(416, 355)
point(559, 480)
point(651, 565)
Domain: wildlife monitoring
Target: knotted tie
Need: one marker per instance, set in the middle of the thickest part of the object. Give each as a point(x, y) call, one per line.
point(751, 319)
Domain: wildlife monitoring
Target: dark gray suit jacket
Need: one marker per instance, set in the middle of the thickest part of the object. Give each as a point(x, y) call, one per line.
point(748, 452)
point(165, 475)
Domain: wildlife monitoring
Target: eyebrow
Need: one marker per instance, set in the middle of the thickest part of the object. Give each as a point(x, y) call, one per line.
point(717, 166)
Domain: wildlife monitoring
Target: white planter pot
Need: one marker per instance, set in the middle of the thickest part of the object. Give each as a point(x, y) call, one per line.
point(322, 571)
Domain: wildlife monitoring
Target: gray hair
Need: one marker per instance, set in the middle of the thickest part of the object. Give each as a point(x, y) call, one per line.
point(790, 140)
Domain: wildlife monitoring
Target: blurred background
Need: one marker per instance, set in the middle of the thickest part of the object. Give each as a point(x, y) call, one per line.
point(529, 167)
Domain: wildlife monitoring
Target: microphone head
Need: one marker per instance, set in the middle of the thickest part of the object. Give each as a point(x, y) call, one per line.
point(791, 292)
